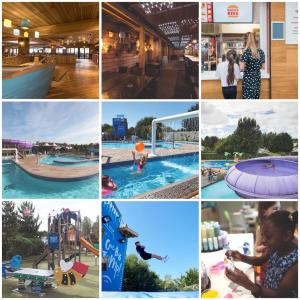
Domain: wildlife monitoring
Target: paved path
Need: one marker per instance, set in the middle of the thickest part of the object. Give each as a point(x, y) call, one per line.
point(48, 172)
point(118, 155)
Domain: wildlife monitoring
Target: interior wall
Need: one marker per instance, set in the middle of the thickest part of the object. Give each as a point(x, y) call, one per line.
point(284, 61)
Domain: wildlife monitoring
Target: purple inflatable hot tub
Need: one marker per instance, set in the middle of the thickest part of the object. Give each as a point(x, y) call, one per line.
point(265, 178)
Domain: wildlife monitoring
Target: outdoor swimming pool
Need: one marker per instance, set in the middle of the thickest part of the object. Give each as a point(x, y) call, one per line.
point(18, 184)
point(120, 295)
point(67, 161)
point(157, 173)
point(218, 190)
point(218, 164)
point(119, 145)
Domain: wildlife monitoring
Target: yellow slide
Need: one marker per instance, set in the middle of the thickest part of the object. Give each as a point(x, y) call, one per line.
point(89, 246)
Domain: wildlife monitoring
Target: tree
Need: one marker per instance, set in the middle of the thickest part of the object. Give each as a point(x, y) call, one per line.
point(169, 284)
point(190, 280)
point(130, 132)
point(107, 130)
point(194, 107)
point(28, 224)
point(143, 127)
point(95, 230)
point(282, 142)
point(247, 136)
point(138, 277)
point(210, 142)
point(9, 224)
point(86, 226)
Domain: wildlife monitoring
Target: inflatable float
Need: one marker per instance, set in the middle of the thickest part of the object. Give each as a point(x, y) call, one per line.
point(265, 178)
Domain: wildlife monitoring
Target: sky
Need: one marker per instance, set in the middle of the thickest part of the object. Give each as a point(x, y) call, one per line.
point(220, 118)
point(134, 111)
point(165, 228)
point(87, 208)
point(70, 122)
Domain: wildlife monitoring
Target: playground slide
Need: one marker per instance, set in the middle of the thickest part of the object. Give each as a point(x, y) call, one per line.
point(89, 246)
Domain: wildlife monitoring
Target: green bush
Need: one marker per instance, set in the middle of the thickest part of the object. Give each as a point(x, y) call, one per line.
point(19, 245)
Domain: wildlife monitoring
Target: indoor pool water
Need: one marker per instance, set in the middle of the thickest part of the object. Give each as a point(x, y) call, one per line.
point(218, 190)
point(157, 174)
point(50, 160)
point(117, 145)
point(18, 184)
point(218, 164)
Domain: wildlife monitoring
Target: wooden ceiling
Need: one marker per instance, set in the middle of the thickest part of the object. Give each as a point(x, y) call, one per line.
point(184, 14)
point(54, 20)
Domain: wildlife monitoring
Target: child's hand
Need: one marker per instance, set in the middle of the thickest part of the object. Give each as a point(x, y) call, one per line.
point(236, 255)
point(238, 277)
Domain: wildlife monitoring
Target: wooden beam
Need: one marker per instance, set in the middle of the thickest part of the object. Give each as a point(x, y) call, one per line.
point(142, 58)
point(68, 28)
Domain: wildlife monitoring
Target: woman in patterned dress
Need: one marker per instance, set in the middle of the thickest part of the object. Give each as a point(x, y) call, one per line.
point(251, 62)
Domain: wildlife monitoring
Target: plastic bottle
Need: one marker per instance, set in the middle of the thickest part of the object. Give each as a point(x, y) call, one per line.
point(205, 245)
point(210, 244)
point(215, 241)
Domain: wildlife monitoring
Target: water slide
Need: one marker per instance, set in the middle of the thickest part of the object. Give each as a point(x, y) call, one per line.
point(89, 246)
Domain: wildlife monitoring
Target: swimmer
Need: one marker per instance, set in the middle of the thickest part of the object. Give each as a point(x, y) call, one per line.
point(141, 163)
point(108, 183)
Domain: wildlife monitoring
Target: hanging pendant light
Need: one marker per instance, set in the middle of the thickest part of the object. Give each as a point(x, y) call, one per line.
point(7, 23)
point(25, 24)
point(26, 34)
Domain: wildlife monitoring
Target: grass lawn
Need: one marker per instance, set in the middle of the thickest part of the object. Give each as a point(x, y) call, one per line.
point(88, 286)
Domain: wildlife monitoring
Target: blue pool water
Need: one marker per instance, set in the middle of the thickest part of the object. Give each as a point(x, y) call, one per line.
point(70, 161)
point(218, 164)
point(116, 145)
point(18, 184)
point(218, 190)
point(121, 295)
point(157, 173)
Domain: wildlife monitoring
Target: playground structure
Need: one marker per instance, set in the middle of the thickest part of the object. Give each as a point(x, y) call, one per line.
point(189, 122)
point(115, 236)
point(63, 254)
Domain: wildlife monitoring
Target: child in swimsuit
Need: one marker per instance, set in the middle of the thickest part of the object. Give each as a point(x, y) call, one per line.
point(140, 163)
point(108, 185)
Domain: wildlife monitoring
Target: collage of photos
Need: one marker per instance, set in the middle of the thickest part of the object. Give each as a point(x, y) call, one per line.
point(102, 119)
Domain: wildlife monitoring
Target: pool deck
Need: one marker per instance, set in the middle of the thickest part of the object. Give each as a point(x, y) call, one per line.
point(184, 189)
point(54, 173)
point(205, 181)
point(121, 155)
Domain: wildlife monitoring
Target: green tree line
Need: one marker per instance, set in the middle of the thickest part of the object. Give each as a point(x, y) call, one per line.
point(139, 277)
point(248, 138)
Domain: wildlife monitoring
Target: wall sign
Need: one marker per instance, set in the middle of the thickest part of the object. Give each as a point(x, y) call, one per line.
point(237, 12)
point(207, 12)
point(291, 19)
point(277, 31)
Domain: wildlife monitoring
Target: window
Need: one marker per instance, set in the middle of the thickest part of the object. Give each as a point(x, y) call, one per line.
point(59, 50)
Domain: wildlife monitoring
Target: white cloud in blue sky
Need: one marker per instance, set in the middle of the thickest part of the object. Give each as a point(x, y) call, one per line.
point(70, 122)
point(220, 118)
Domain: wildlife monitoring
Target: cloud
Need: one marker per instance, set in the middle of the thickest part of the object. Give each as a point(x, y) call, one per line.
point(220, 118)
point(72, 122)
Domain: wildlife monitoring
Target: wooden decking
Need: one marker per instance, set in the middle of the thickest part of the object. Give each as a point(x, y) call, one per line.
point(184, 189)
point(79, 81)
point(120, 155)
point(48, 172)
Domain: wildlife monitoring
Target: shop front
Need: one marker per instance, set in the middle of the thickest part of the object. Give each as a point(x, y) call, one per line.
point(275, 25)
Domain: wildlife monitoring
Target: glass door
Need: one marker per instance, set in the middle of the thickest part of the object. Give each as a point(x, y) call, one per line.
point(84, 52)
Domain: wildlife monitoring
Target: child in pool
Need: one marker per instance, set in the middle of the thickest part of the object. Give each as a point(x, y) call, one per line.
point(145, 255)
point(282, 256)
point(140, 163)
point(108, 186)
